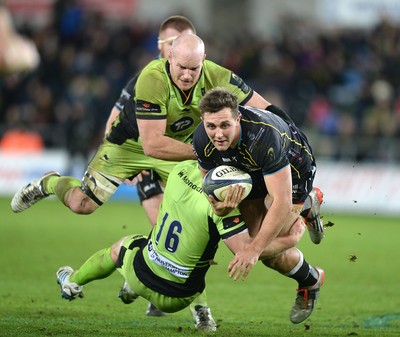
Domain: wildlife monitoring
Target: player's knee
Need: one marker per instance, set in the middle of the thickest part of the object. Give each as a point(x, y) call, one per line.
point(81, 208)
point(272, 262)
point(80, 203)
point(96, 189)
point(116, 248)
point(280, 261)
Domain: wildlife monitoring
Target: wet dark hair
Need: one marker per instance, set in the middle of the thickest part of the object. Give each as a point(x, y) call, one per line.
point(218, 99)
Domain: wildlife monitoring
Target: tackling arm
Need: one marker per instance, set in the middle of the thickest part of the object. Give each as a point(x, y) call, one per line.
point(157, 145)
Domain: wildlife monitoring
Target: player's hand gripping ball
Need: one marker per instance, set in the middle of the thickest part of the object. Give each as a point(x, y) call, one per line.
point(217, 181)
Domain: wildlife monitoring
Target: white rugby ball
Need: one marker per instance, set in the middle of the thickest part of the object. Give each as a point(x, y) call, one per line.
point(217, 181)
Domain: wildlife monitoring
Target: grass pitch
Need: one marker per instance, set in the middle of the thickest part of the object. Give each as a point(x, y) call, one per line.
point(359, 298)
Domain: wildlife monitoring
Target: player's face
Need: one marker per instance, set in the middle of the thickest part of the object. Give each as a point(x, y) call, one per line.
point(166, 38)
point(222, 128)
point(185, 68)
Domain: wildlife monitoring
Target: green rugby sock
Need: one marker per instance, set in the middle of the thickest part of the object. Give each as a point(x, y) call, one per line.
point(48, 184)
point(60, 186)
point(98, 266)
point(200, 300)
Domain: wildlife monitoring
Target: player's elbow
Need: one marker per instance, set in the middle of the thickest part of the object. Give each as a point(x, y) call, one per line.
point(150, 149)
point(288, 206)
point(284, 204)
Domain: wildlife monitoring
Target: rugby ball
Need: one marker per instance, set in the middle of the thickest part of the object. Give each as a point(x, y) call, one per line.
point(217, 181)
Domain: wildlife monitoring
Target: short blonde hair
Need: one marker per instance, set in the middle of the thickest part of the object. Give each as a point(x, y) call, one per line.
point(178, 22)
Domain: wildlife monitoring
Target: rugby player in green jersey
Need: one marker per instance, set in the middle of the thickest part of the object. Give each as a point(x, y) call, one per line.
point(169, 266)
point(148, 185)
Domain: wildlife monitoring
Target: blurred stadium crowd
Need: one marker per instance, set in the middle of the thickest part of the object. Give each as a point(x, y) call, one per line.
point(342, 86)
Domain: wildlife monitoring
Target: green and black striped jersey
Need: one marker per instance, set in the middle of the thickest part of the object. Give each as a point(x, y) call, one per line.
point(185, 239)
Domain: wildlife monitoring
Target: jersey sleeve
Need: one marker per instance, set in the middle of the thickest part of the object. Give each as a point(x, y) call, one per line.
point(222, 77)
point(240, 89)
point(151, 92)
point(230, 224)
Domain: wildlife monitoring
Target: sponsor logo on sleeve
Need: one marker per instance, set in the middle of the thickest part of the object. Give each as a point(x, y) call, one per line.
point(231, 221)
point(143, 106)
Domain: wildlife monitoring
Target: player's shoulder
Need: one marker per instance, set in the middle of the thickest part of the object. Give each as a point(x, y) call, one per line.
point(185, 179)
point(153, 78)
point(131, 84)
point(251, 113)
point(155, 63)
point(209, 63)
point(184, 165)
point(257, 114)
point(188, 169)
point(255, 120)
point(212, 68)
point(155, 66)
point(217, 75)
